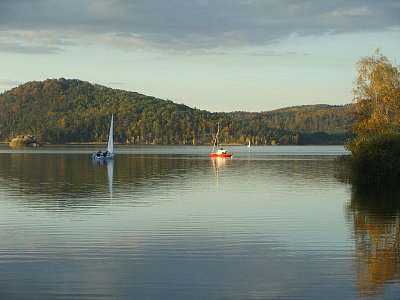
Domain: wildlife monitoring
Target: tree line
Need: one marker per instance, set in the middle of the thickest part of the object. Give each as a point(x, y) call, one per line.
point(70, 110)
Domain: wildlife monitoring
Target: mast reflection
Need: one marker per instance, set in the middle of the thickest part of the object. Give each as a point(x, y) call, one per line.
point(110, 173)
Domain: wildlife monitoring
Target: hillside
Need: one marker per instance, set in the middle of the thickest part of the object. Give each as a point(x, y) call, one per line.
point(61, 110)
point(306, 118)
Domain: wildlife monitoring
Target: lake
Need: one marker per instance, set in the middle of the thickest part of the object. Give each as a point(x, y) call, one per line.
point(172, 223)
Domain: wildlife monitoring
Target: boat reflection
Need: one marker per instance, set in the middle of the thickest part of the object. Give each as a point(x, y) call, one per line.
point(110, 173)
point(375, 216)
point(218, 164)
point(110, 176)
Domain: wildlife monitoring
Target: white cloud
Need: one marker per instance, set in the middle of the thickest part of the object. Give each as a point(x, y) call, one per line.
point(33, 42)
point(353, 12)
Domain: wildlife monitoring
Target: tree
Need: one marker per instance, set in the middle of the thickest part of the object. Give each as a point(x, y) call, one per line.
point(375, 151)
point(377, 94)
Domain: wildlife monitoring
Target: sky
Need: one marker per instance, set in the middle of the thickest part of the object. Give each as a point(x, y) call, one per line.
point(221, 55)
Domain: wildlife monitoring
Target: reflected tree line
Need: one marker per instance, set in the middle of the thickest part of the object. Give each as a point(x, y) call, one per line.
point(72, 177)
point(374, 212)
point(376, 224)
point(77, 176)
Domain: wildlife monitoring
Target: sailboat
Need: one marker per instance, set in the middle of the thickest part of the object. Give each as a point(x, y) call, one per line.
point(109, 153)
point(221, 152)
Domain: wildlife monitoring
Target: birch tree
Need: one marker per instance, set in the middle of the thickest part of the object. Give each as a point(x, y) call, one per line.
point(377, 94)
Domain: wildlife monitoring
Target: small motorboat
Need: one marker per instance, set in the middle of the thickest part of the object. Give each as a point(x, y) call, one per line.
point(221, 152)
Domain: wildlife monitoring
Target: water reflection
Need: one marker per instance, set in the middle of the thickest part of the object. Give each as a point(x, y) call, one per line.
point(218, 164)
point(184, 226)
point(73, 180)
point(110, 173)
point(376, 223)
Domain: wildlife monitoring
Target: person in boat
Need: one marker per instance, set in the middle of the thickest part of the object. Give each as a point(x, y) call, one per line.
point(105, 153)
point(98, 153)
point(222, 151)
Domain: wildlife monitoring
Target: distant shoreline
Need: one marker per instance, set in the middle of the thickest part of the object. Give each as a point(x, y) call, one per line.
point(83, 143)
point(188, 145)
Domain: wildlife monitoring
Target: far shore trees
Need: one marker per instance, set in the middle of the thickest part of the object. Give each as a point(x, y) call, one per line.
point(74, 111)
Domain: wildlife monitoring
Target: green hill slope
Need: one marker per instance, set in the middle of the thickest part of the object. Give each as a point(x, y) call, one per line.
point(61, 110)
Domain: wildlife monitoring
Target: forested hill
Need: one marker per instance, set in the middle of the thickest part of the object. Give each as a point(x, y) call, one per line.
point(306, 118)
point(61, 111)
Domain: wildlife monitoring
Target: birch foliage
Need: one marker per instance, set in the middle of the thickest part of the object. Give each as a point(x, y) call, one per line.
point(377, 94)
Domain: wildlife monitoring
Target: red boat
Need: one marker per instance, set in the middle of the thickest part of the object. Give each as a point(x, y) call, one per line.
point(222, 152)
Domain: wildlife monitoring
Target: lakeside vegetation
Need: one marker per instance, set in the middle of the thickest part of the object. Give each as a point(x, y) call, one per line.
point(375, 151)
point(70, 110)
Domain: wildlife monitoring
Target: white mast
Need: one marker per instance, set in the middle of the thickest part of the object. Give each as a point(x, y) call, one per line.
point(110, 146)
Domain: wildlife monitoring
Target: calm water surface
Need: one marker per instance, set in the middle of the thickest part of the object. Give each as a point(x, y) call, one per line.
point(171, 223)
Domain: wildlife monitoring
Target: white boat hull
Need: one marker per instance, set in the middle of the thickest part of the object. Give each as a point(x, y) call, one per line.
point(103, 155)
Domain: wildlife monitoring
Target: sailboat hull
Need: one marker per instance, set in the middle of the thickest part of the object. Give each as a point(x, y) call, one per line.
point(103, 156)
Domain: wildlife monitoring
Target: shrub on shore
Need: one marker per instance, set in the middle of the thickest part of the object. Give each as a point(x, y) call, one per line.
point(375, 160)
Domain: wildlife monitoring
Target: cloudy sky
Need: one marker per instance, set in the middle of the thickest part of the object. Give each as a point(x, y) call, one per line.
point(218, 55)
